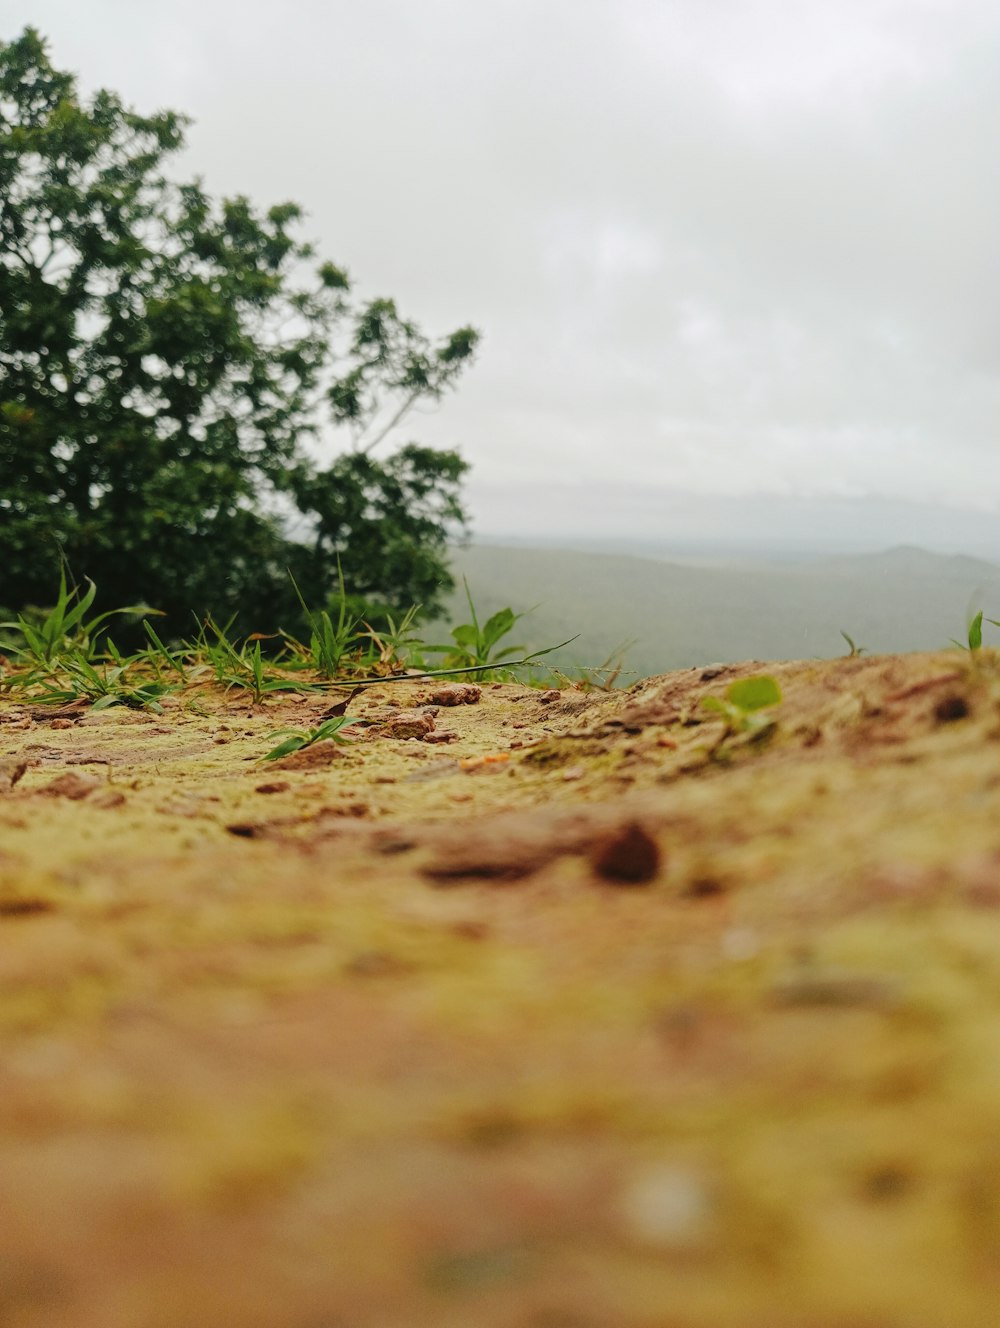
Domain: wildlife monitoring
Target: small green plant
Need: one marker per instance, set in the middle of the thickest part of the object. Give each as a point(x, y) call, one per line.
point(156, 655)
point(65, 655)
point(65, 626)
point(329, 642)
point(79, 680)
point(254, 677)
point(474, 644)
point(743, 707)
point(296, 740)
point(244, 667)
point(853, 649)
point(393, 640)
point(974, 634)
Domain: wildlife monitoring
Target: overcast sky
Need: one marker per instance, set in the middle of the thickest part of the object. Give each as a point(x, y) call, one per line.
point(723, 247)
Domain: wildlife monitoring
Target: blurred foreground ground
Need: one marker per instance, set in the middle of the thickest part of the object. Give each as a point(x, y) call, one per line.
point(542, 1016)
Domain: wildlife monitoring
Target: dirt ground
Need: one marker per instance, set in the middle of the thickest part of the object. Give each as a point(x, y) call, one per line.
point(523, 1010)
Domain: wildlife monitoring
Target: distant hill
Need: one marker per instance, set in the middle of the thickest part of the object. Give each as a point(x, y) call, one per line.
point(681, 615)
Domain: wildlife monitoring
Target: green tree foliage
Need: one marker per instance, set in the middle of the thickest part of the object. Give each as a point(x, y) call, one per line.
point(171, 369)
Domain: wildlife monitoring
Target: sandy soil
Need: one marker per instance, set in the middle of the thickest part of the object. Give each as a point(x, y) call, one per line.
point(536, 1010)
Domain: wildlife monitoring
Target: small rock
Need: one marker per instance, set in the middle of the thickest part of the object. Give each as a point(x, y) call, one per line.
point(947, 710)
point(461, 693)
point(310, 758)
point(277, 786)
point(574, 772)
point(61, 724)
point(548, 697)
point(626, 856)
point(72, 786)
point(409, 726)
point(247, 829)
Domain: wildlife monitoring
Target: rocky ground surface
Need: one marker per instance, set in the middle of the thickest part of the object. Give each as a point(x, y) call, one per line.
point(523, 1010)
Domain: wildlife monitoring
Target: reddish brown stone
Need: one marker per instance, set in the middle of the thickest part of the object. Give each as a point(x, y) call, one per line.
point(460, 693)
point(72, 786)
point(626, 856)
point(410, 726)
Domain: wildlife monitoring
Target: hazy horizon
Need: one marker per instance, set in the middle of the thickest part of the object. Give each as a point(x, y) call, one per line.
point(691, 523)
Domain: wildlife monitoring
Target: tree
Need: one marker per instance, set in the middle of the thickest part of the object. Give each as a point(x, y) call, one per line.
point(171, 368)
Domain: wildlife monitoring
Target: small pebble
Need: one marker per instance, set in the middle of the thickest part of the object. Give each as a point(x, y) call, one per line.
point(627, 856)
point(463, 693)
point(947, 710)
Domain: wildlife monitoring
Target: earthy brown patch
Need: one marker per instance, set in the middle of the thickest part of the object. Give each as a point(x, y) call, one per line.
point(24, 908)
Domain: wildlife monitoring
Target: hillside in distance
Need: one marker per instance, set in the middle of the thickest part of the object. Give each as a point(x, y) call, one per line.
point(678, 614)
